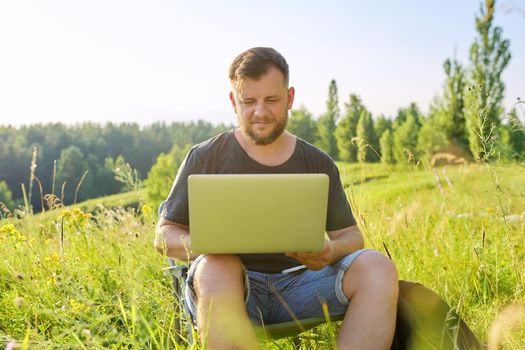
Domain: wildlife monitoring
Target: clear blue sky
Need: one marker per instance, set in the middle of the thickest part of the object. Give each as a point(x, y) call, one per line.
point(142, 61)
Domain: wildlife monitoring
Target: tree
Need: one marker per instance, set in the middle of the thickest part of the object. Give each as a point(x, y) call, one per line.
point(405, 140)
point(346, 129)
point(431, 138)
point(452, 114)
point(381, 124)
point(386, 146)
point(71, 166)
point(489, 55)
point(162, 174)
point(302, 124)
point(326, 124)
point(6, 197)
point(366, 137)
point(403, 113)
point(511, 142)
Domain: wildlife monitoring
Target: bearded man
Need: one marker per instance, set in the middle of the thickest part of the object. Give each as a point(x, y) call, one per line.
point(227, 294)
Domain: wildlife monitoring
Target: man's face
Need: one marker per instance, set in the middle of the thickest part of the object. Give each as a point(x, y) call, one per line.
point(262, 106)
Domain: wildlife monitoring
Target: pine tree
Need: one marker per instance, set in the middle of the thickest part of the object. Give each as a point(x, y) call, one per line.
point(366, 136)
point(302, 124)
point(489, 55)
point(347, 129)
point(327, 123)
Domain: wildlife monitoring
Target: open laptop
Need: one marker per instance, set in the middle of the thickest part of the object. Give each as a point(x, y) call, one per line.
point(257, 213)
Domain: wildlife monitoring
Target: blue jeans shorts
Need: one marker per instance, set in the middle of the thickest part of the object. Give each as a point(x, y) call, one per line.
point(278, 297)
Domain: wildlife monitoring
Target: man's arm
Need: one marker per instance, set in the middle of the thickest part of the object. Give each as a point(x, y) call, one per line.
point(342, 242)
point(173, 239)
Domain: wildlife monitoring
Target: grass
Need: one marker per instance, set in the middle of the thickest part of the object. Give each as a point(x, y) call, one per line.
point(75, 281)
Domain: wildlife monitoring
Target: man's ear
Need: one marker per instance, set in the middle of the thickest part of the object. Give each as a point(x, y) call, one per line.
point(291, 95)
point(232, 100)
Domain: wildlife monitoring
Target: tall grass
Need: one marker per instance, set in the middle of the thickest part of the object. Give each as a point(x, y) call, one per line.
point(72, 279)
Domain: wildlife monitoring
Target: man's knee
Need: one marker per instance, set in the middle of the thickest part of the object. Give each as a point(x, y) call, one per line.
point(218, 273)
point(371, 270)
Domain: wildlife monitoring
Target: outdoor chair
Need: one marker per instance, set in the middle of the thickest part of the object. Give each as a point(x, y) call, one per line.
point(424, 320)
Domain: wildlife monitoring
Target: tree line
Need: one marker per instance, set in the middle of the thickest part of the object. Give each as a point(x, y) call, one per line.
point(466, 121)
point(79, 162)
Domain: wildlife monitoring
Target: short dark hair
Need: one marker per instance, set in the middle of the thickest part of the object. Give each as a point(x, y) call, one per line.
point(255, 62)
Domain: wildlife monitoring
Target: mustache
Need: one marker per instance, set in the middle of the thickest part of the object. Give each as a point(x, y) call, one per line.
point(262, 120)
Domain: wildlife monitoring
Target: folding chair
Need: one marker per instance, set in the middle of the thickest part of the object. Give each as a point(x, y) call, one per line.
point(178, 274)
point(424, 320)
point(271, 331)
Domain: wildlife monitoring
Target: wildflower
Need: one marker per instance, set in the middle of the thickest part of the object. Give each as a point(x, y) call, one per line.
point(9, 231)
point(77, 307)
point(75, 217)
point(53, 257)
point(145, 209)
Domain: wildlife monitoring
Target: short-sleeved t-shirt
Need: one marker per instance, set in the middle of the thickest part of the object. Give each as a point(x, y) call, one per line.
point(223, 154)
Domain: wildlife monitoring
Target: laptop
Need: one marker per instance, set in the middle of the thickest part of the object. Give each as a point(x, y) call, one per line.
point(257, 213)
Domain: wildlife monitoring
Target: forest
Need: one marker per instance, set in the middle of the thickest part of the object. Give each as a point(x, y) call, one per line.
point(466, 122)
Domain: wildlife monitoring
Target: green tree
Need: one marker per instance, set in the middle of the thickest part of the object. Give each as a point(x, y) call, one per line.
point(489, 55)
point(403, 113)
point(327, 123)
point(6, 197)
point(511, 141)
point(451, 112)
point(302, 124)
point(162, 174)
point(386, 144)
point(366, 137)
point(71, 166)
point(405, 140)
point(432, 137)
point(346, 129)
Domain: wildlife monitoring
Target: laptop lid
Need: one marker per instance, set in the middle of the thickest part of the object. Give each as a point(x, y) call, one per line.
point(257, 213)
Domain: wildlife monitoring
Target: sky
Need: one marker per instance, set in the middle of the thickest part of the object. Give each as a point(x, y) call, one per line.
point(167, 60)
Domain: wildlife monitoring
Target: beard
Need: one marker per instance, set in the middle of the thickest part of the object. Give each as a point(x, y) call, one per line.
point(267, 138)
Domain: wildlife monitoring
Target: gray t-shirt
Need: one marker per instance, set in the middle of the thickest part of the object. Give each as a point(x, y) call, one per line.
point(223, 154)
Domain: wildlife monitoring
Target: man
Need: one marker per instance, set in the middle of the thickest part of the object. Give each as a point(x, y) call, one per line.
point(227, 293)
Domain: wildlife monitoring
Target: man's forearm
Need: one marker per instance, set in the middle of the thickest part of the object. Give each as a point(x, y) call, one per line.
point(174, 241)
point(345, 242)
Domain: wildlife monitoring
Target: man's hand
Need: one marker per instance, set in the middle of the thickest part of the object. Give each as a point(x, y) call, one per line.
point(315, 261)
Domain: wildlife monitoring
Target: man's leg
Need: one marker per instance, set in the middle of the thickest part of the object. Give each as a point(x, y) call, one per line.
point(221, 312)
point(371, 285)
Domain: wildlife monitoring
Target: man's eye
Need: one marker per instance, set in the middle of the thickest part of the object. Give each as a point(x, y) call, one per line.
point(248, 102)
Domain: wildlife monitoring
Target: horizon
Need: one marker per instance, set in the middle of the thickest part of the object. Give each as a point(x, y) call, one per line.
point(136, 62)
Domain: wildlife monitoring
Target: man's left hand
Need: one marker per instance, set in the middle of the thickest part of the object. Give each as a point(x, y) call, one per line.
point(315, 261)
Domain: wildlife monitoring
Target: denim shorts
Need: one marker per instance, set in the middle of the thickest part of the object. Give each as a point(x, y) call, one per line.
point(278, 297)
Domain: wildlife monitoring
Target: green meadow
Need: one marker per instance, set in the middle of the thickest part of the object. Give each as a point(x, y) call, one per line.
point(88, 277)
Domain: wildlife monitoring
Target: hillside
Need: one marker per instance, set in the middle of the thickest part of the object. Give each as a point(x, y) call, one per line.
point(91, 278)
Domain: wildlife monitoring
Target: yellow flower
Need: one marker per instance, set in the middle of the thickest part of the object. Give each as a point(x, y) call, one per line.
point(9, 231)
point(52, 257)
point(75, 216)
point(146, 209)
point(77, 307)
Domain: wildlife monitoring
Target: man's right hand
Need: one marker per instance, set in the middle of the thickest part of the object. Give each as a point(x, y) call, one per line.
point(173, 239)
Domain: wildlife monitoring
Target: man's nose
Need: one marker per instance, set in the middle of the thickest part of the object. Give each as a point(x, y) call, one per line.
point(260, 109)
